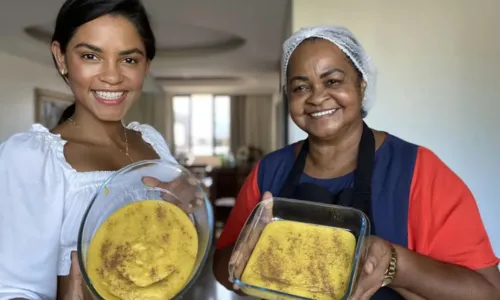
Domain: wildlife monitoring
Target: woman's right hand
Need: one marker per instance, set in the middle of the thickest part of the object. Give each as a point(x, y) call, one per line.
point(242, 253)
point(72, 287)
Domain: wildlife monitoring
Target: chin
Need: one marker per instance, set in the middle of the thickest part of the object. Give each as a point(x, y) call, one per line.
point(323, 132)
point(110, 116)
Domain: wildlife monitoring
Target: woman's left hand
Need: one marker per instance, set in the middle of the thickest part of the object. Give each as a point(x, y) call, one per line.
point(376, 262)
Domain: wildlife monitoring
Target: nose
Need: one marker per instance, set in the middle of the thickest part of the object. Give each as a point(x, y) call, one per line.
point(111, 74)
point(318, 96)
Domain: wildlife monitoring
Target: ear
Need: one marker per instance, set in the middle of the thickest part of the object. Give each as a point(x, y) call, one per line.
point(59, 58)
point(363, 88)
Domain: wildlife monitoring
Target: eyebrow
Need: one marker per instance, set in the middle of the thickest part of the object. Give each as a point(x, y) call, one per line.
point(323, 75)
point(99, 50)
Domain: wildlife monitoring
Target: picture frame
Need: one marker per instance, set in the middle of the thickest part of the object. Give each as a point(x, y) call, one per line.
point(49, 106)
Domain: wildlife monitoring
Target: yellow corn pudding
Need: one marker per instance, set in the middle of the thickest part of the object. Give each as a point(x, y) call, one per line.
point(145, 250)
point(301, 259)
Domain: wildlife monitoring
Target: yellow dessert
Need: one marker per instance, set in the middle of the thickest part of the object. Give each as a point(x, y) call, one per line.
point(145, 250)
point(301, 259)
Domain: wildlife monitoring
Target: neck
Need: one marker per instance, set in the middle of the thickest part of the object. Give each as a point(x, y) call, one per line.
point(95, 128)
point(337, 156)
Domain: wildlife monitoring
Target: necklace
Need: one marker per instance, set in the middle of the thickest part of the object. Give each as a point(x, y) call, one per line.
point(108, 143)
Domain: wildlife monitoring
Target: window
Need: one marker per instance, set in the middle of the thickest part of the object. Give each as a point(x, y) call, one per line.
point(202, 124)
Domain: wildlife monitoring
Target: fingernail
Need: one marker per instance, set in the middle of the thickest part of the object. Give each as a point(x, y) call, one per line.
point(369, 267)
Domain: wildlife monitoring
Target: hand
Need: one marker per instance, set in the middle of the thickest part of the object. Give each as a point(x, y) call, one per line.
point(376, 262)
point(183, 191)
point(243, 251)
point(72, 287)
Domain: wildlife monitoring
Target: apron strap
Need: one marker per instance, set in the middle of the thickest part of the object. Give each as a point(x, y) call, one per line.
point(293, 178)
point(361, 197)
point(363, 173)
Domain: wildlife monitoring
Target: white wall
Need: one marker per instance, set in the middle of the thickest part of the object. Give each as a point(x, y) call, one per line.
point(19, 78)
point(439, 67)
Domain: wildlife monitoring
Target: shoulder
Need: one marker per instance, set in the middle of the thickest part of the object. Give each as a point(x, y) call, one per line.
point(398, 148)
point(154, 138)
point(274, 168)
point(32, 166)
point(32, 148)
point(443, 208)
point(431, 171)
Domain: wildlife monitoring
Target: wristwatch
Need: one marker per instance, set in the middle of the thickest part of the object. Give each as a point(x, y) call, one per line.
point(391, 271)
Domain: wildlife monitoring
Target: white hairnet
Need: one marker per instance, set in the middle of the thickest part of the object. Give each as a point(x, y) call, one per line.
point(345, 40)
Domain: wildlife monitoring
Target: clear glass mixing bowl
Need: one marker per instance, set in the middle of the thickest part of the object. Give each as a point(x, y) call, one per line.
point(126, 186)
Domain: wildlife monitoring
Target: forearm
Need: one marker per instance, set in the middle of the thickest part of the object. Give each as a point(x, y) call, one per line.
point(433, 280)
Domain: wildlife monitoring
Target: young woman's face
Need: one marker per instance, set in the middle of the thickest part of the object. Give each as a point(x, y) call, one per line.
point(106, 64)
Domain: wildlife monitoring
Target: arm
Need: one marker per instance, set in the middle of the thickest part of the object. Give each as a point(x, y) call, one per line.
point(248, 197)
point(31, 211)
point(452, 257)
point(423, 278)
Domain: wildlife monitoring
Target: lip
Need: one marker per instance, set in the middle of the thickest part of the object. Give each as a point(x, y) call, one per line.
point(105, 101)
point(323, 113)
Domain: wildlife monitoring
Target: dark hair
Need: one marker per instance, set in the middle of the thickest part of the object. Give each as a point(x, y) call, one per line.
point(75, 13)
point(67, 113)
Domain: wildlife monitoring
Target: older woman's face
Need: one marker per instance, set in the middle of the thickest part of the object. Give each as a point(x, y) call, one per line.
point(324, 89)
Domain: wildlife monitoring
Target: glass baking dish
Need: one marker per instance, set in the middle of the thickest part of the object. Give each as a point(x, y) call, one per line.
point(276, 209)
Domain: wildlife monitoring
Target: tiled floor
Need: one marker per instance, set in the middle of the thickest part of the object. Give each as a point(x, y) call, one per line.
point(207, 288)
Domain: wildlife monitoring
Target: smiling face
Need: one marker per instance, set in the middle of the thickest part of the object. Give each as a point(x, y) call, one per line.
point(324, 89)
point(106, 65)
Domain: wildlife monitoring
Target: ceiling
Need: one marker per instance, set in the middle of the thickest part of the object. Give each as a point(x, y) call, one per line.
point(203, 45)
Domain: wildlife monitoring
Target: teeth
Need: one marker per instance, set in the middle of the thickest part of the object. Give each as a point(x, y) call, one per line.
point(323, 113)
point(109, 95)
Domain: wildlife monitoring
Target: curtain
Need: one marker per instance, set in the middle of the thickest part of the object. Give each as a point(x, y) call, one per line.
point(154, 109)
point(253, 122)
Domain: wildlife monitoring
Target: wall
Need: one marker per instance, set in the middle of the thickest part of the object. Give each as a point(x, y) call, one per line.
point(438, 70)
point(19, 78)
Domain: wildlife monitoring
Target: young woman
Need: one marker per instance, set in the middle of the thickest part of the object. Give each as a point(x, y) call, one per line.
point(428, 238)
point(102, 49)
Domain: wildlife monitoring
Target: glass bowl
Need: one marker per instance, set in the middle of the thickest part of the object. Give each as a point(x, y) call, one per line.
point(126, 186)
point(276, 209)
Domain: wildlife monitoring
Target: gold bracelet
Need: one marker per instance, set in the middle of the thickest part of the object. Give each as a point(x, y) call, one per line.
point(390, 272)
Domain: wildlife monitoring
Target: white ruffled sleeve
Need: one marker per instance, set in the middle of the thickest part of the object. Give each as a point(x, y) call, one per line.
point(32, 187)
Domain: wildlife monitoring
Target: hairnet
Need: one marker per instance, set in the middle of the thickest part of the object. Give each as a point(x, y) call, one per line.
point(345, 40)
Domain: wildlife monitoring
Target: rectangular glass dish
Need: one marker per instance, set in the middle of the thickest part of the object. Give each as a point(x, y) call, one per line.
point(325, 221)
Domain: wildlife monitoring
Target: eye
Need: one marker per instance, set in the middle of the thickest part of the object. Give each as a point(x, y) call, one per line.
point(300, 88)
point(333, 82)
point(129, 60)
point(89, 56)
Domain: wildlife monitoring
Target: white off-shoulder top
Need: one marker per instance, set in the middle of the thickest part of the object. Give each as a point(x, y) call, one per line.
point(42, 202)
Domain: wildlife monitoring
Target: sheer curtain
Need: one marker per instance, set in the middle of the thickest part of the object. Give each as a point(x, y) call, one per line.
point(155, 109)
point(253, 122)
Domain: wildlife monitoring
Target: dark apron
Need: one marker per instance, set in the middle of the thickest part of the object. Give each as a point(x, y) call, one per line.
point(358, 197)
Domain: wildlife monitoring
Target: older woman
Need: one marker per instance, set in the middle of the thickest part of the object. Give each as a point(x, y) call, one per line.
point(428, 238)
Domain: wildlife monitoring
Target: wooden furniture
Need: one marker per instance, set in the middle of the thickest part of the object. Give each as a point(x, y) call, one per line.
point(226, 184)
